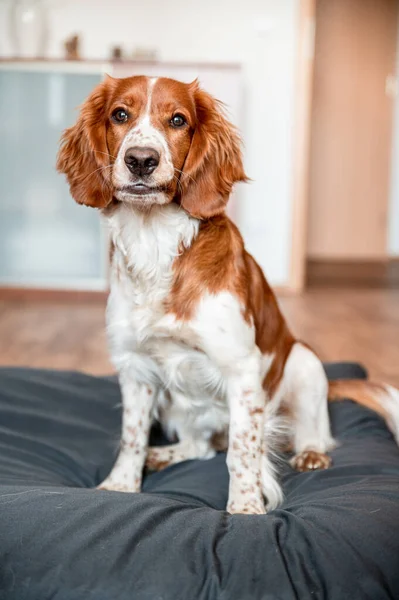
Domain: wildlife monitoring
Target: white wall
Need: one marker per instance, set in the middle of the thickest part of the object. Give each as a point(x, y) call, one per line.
point(393, 233)
point(259, 34)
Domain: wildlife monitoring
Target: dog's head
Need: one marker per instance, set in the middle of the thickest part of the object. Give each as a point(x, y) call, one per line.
point(148, 141)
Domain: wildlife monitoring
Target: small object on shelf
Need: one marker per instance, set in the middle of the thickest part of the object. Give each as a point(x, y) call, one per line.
point(28, 28)
point(72, 48)
point(145, 54)
point(117, 53)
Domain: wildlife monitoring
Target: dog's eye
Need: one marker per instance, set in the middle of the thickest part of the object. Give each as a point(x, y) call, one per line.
point(177, 121)
point(120, 115)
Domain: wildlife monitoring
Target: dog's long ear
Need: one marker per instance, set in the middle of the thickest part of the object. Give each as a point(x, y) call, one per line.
point(83, 154)
point(214, 162)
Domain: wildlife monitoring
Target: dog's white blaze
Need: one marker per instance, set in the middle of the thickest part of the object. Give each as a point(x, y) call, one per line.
point(144, 134)
point(147, 112)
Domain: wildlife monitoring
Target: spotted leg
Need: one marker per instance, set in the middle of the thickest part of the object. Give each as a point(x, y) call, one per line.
point(228, 339)
point(244, 456)
point(138, 399)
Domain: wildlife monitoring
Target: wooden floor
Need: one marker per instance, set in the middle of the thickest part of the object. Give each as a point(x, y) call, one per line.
point(338, 324)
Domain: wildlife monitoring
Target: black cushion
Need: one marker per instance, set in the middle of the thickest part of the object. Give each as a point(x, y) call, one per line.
point(335, 537)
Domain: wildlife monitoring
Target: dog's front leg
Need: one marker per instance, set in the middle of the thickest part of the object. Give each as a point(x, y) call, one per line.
point(138, 400)
point(244, 456)
point(229, 340)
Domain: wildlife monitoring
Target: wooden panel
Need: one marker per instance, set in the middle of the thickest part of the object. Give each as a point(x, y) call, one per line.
point(340, 325)
point(359, 325)
point(353, 274)
point(303, 95)
point(55, 335)
point(351, 131)
point(47, 294)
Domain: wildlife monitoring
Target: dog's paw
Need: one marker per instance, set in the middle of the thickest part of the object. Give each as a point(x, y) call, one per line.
point(250, 506)
point(114, 485)
point(310, 460)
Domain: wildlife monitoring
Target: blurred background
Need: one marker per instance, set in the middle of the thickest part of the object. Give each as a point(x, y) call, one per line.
point(313, 87)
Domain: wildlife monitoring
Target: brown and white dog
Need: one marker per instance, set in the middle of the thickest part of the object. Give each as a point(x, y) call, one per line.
point(195, 331)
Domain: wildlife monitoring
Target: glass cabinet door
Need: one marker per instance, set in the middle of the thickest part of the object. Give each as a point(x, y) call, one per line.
point(46, 240)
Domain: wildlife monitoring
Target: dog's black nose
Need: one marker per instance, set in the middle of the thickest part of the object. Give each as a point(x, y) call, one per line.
point(141, 161)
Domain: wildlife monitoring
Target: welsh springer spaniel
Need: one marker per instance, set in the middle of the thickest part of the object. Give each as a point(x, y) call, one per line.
point(195, 331)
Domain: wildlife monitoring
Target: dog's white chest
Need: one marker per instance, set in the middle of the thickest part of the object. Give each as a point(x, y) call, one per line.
point(161, 349)
point(146, 245)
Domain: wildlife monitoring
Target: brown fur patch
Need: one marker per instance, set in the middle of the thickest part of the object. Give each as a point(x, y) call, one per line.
point(217, 261)
point(363, 392)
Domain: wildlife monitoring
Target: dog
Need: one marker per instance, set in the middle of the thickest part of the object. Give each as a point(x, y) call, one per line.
point(194, 330)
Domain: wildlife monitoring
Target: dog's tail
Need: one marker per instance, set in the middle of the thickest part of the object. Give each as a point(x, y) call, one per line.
point(380, 397)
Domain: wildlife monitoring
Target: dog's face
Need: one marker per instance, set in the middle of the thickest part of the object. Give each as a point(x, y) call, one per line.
point(147, 141)
point(150, 132)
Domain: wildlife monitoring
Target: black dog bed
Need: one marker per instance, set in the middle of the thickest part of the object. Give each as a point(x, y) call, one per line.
point(336, 536)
